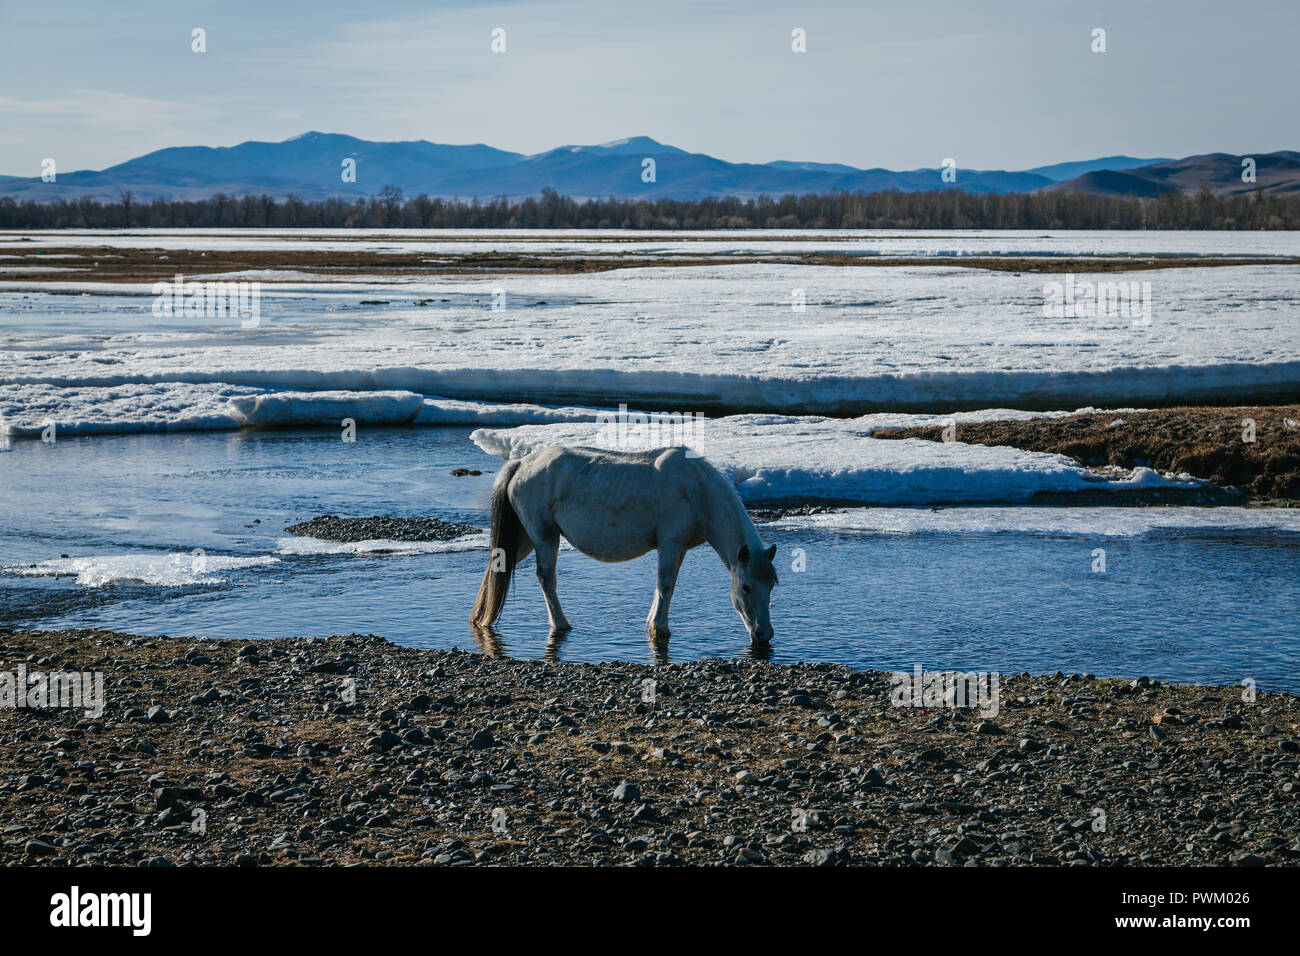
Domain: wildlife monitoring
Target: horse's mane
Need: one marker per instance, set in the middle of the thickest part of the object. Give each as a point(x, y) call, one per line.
point(715, 478)
point(731, 494)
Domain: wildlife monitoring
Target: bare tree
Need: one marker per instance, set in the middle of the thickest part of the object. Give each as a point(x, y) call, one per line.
point(390, 197)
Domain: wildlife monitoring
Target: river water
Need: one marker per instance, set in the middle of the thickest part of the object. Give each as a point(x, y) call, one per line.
point(183, 534)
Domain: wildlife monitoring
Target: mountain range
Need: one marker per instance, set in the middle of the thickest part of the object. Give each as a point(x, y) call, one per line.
point(312, 166)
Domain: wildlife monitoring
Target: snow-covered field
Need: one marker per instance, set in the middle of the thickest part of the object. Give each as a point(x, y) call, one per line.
point(923, 338)
point(546, 352)
point(890, 242)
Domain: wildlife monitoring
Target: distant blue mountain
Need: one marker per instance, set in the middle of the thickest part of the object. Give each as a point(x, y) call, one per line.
point(1063, 171)
point(310, 166)
point(1277, 174)
point(317, 157)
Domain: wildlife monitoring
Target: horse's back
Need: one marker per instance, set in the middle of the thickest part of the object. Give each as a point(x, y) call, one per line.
point(587, 454)
point(612, 505)
point(664, 463)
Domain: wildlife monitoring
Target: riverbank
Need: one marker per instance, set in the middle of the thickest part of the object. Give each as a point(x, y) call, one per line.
point(353, 750)
point(1254, 450)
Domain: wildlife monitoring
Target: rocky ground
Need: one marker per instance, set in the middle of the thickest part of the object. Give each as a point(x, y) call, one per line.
point(1204, 442)
point(389, 528)
point(352, 750)
point(380, 527)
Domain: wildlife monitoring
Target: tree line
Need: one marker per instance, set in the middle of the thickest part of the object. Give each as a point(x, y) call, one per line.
point(939, 209)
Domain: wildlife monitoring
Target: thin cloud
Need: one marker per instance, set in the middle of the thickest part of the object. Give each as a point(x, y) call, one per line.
point(108, 110)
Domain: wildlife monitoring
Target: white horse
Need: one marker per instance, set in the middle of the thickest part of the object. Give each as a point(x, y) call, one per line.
point(616, 506)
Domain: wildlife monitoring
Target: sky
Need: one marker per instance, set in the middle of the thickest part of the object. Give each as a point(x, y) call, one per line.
point(901, 84)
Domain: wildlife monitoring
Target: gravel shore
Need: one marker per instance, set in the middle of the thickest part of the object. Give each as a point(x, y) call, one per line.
point(377, 527)
point(353, 750)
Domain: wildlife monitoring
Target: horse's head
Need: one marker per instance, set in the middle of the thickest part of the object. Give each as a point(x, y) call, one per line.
point(752, 580)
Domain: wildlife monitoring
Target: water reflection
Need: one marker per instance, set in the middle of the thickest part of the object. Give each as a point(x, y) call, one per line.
point(491, 644)
point(489, 641)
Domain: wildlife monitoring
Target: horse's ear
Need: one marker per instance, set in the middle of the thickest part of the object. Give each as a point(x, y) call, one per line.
point(770, 552)
point(742, 557)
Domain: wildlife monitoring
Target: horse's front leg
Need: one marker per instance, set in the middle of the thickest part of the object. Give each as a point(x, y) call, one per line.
point(670, 562)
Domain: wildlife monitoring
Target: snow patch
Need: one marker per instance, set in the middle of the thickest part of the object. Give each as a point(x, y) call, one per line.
point(775, 459)
point(126, 408)
point(449, 411)
point(327, 408)
point(1071, 521)
point(160, 570)
point(469, 542)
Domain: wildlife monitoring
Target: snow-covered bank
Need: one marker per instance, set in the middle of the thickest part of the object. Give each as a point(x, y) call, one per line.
point(448, 411)
point(1057, 521)
point(782, 460)
point(1038, 389)
point(719, 337)
point(291, 409)
point(26, 410)
point(310, 546)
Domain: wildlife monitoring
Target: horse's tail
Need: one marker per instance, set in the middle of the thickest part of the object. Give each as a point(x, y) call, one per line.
point(509, 545)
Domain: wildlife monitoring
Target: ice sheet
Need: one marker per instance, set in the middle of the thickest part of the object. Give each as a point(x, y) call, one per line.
point(296, 546)
point(891, 242)
point(775, 459)
point(905, 338)
point(161, 570)
point(284, 409)
point(1058, 521)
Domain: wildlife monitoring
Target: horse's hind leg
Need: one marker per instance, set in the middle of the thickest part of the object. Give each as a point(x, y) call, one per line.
point(546, 552)
point(670, 562)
